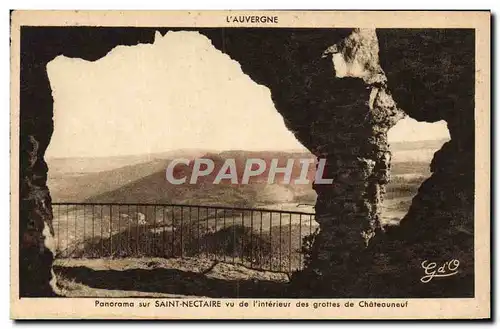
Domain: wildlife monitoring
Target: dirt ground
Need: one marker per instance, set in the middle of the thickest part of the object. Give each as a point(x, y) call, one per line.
point(158, 277)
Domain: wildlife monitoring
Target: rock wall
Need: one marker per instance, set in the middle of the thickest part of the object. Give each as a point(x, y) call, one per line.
point(431, 74)
point(38, 47)
point(338, 105)
point(334, 94)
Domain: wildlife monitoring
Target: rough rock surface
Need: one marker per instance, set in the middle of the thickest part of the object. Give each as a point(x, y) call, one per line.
point(432, 76)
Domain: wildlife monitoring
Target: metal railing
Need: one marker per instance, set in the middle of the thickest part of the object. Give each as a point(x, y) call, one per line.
point(261, 239)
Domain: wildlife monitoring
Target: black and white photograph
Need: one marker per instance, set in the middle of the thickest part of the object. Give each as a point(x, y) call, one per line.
point(250, 157)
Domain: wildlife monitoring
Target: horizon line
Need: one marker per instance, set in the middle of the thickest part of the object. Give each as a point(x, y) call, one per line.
point(153, 154)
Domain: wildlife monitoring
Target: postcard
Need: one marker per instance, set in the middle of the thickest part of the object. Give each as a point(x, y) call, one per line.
point(250, 164)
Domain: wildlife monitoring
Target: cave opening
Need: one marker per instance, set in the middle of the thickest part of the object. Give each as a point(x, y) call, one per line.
point(178, 97)
point(411, 155)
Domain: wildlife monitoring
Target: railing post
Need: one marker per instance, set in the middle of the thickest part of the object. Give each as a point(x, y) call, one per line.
point(224, 230)
point(198, 227)
point(189, 232)
point(251, 238)
point(242, 253)
point(300, 242)
point(102, 241)
point(67, 230)
point(206, 234)
point(129, 251)
point(290, 245)
point(271, 240)
point(310, 224)
point(93, 229)
point(58, 228)
point(173, 231)
point(137, 231)
point(153, 253)
point(279, 244)
point(234, 236)
point(216, 251)
point(83, 240)
point(260, 245)
point(110, 231)
point(76, 232)
point(119, 246)
point(163, 232)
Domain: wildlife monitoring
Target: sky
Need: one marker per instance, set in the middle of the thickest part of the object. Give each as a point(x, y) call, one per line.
point(179, 92)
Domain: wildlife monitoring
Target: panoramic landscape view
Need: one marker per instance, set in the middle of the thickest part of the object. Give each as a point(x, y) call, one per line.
point(122, 229)
point(130, 230)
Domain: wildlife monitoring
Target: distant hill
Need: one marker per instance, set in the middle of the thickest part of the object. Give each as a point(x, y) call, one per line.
point(418, 151)
point(76, 179)
point(76, 187)
point(142, 178)
point(418, 145)
point(154, 188)
point(73, 165)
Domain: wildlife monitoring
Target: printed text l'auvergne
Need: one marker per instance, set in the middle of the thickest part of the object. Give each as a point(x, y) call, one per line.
point(254, 19)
